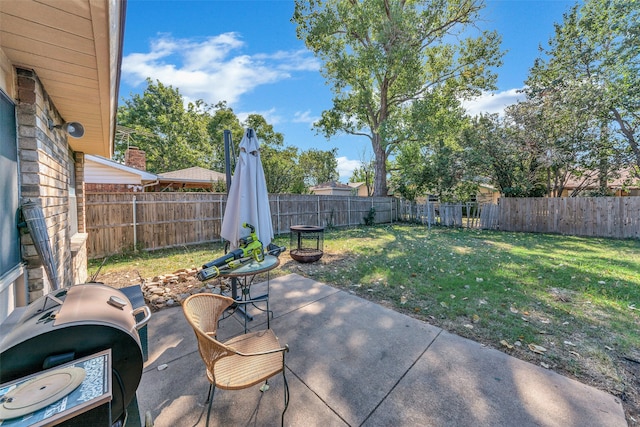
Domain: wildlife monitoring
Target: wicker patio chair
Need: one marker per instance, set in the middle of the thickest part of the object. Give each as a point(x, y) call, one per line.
point(240, 362)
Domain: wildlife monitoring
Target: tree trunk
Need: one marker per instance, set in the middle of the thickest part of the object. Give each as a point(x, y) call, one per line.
point(380, 179)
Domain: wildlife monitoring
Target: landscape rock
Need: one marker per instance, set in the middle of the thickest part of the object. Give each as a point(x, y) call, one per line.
point(167, 290)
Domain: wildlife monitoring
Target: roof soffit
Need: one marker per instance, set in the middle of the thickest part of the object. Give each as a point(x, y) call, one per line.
point(75, 48)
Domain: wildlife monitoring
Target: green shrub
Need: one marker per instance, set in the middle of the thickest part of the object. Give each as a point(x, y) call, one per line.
point(370, 219)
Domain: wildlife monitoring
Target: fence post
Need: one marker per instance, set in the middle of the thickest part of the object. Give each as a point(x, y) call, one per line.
point(349, 212)
point(278, 212)
point(135, 226)
point(319, 225)
point(466, 205)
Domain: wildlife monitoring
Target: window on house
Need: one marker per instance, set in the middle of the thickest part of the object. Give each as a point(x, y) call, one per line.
point(10, 260)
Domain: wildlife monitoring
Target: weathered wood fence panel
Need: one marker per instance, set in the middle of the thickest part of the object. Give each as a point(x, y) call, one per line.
point(123, 221)
point(617, 217)
point(469, 215)
point(489, 216)
point(117, 222)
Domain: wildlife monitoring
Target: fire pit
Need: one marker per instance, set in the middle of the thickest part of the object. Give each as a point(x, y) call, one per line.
point(306, 242)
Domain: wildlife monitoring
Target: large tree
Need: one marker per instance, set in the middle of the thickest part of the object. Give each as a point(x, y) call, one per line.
point(173, 137)
point(281, 170)
point(223, 118)
point(430, 160)
point(280, 163)
point(568, 142)
point(383, 56)
point(592, 65)
point(499, 150)
point(319, 166)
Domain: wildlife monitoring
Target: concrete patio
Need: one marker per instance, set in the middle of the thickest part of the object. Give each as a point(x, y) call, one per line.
point(355, 363)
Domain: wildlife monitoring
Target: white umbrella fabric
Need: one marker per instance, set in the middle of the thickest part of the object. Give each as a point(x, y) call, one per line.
point(248, 199)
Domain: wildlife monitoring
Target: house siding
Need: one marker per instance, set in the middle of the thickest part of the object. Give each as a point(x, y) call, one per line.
point(101, 174)
point(7, 82)
point(46, 165)
point(113, 188)
point(332, 192)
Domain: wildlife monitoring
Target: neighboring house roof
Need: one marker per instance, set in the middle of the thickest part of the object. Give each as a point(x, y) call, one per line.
point(98, 170)
point(624, 179)
point(332, 184)
point(75, 48)
point(488, 187)
point(355, 184)
point(332, 188)
point(195, 174)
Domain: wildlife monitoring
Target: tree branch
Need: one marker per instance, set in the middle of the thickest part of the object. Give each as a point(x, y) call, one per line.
point(628, 133)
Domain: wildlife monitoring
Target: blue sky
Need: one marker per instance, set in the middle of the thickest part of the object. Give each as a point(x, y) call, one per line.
point(246, 53)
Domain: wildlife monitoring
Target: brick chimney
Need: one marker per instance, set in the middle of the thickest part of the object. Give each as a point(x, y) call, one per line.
point(135, 158)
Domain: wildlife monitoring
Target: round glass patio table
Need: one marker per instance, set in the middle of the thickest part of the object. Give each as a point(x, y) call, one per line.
point(243, 277)
point(252, 268)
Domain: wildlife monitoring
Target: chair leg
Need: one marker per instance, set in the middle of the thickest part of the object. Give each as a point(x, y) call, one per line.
point(286, 396)
point(209, 394)
point(212, 390)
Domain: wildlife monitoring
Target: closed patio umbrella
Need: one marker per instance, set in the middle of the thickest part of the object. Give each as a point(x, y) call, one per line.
point(248, 199)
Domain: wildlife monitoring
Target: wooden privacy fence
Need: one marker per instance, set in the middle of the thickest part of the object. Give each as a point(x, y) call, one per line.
point(123, 221)
point(616, 217)
point(469, 215)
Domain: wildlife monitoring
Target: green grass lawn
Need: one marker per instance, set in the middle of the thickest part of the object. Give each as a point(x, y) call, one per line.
point(577, 299)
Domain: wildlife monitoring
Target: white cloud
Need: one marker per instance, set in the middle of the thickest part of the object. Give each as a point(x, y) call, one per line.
point(298, 60)
point(304, 117)
point(493, 102)
point(269, 115)
point(213, 69)
point(346, 167)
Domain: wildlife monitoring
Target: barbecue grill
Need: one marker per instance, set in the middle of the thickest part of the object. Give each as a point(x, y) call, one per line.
point(72, 323)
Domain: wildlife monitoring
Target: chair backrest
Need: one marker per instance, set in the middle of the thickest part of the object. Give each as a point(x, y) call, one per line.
point(203, 312)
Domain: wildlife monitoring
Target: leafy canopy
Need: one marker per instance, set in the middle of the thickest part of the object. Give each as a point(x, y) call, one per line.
point(173, 137)
point(319, 166)
point(382, 57)
point(592, 65)
point(178, 136)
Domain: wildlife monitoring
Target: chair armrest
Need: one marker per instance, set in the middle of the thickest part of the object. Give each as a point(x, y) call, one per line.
point(282, 350)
